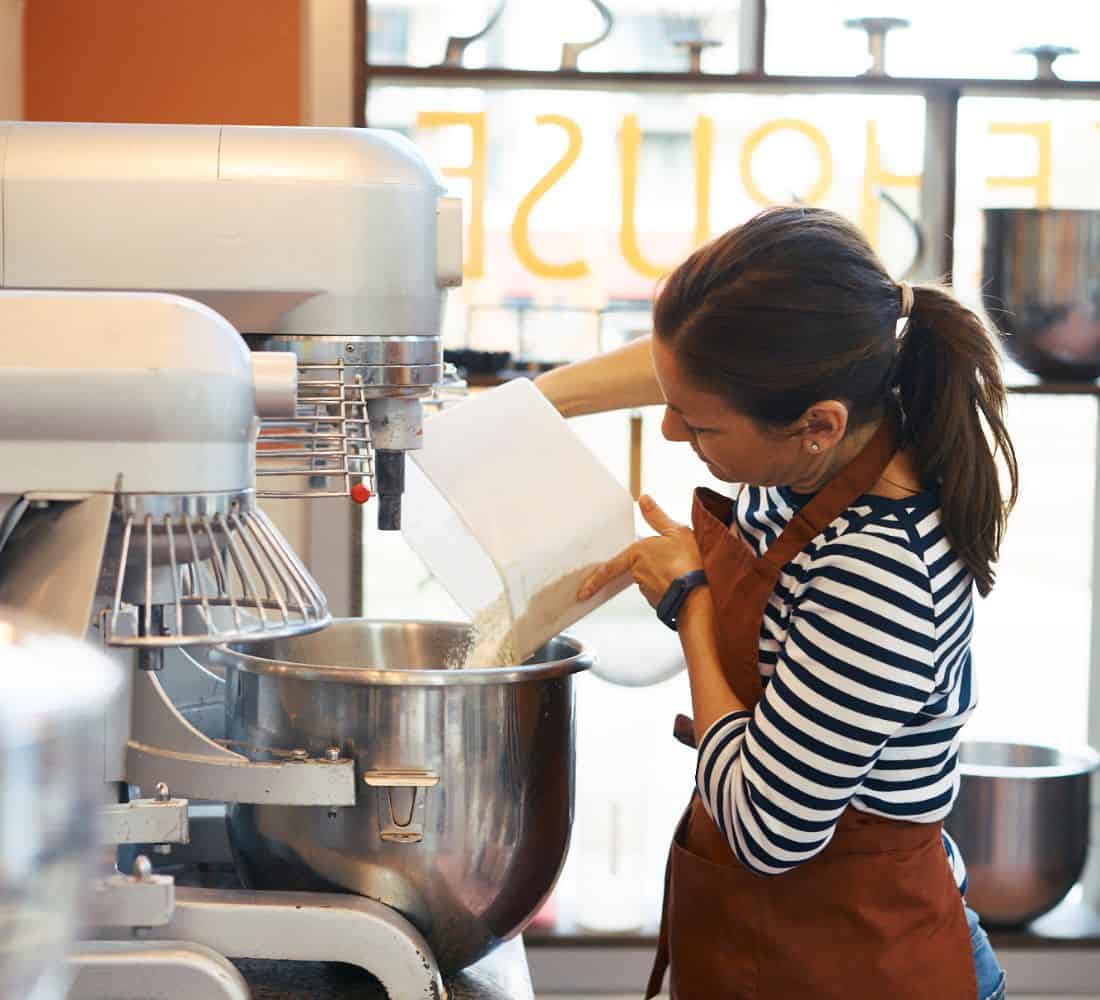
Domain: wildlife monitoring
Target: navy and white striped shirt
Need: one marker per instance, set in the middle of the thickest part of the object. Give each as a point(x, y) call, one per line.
point(865, 659)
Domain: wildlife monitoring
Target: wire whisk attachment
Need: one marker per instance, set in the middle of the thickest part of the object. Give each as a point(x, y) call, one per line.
point(204, 569)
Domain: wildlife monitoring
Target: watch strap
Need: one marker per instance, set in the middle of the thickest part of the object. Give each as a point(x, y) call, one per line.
point(669, 607)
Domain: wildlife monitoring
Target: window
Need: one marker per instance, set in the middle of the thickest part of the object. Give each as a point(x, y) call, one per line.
point(577, 201)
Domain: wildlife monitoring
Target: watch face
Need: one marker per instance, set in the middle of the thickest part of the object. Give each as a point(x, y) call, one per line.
point(670, 603)
point(669, 606)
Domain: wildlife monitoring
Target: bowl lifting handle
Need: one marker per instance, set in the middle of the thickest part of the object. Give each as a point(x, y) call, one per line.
point(402, 802)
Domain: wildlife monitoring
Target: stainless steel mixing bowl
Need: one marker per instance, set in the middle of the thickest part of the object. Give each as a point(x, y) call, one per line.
point(465, 777)
point(54, 693)
point(1022, 823)
point(1041, 286)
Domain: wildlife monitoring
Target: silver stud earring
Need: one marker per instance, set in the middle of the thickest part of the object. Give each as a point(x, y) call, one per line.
point(814, 446)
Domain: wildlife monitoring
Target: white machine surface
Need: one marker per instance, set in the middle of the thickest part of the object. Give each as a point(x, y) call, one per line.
point(290, 231)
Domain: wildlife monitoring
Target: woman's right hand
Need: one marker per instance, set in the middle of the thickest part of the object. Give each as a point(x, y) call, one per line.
point(653, 563)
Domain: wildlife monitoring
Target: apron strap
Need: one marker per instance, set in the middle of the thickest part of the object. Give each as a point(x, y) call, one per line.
point(838, 494)
point(660, 960)
point(683, 730)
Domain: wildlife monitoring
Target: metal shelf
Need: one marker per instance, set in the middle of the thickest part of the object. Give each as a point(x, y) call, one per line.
point(1056, 389)
point(499, 77)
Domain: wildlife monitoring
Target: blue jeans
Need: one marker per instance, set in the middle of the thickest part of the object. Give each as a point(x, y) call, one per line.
point(991, 978)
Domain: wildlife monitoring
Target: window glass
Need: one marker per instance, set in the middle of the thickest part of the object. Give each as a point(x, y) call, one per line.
point(975, 38)
point(577, 202)
point(1033, 153)
point(530, 33)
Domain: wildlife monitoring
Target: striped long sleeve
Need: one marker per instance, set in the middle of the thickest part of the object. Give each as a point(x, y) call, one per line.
point(862, 701)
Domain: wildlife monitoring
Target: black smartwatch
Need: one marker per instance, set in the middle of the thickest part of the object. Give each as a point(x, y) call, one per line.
point(676, 594)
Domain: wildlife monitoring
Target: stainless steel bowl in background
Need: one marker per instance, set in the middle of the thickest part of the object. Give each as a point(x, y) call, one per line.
point(1022, 823)
point(465, 777)
point(54, 694)
point(1041, 286)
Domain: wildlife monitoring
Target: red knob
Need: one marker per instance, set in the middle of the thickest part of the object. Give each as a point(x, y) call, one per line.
point(360, 493)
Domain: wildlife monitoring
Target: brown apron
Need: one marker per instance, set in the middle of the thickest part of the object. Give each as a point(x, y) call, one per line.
point(877, 914)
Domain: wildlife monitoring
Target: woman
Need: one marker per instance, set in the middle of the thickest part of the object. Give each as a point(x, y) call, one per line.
point(824, 613)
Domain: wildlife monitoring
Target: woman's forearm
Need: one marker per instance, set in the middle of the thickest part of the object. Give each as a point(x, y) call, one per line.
point(621, 379)
point(711, 695)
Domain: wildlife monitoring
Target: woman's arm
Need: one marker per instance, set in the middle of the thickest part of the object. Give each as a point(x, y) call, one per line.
point(712, 698)
point(619, 380)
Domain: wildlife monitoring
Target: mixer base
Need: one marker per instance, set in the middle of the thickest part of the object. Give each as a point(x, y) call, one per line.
point(162, 970)
point(308, 927)
point(284, 946)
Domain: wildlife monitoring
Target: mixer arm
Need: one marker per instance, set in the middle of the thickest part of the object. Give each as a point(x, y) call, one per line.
point(165, 747)
point(51, 565)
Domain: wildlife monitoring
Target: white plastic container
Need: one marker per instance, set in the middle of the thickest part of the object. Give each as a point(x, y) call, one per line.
point(510, 510)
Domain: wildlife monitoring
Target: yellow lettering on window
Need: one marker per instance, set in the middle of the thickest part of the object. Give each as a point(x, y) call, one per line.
point(521, 240)
point(1039, 181)
point(702, 141)
point(875, 176)
point(820, 144)
point(476, 171)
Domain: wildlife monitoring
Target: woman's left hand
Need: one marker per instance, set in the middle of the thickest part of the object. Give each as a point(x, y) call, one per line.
point(653, 562)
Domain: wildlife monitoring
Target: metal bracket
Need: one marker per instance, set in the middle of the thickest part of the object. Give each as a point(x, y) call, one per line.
point(146, 821)
point(209, 839)
point(132, 901)
point(458, 44)
point(163, 970)
point(1045, 56)
point(308, 927)
point(165, 747)
point(877, 29)
point(402, 808)
point(570, 51)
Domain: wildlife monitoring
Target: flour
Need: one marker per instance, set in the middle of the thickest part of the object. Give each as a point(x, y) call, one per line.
point(490, 642)
point(497, 637)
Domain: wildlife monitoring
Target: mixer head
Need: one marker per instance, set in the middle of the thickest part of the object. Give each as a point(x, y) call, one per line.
point(335, 244)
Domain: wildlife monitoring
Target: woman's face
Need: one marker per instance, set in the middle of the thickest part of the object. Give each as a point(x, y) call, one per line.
point(735, 448)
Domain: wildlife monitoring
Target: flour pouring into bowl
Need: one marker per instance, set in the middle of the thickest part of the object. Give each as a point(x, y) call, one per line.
point(511, 512)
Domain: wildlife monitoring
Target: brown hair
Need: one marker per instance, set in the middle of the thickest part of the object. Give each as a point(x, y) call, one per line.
point(793, 307)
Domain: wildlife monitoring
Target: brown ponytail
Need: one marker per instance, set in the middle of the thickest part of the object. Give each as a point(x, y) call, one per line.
point(949, 384)
point(793, 307)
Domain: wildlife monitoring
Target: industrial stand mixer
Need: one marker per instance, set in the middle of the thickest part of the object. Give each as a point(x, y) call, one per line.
point(128, 502)
point(129, 433)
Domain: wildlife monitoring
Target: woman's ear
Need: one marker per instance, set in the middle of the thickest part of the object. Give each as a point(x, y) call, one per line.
point(823, 426)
